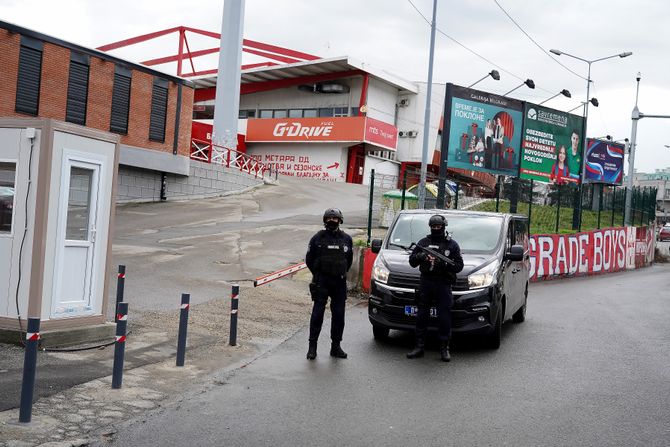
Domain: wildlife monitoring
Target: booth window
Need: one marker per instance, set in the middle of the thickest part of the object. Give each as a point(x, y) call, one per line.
point(29, 76)
point(159, 100)
point(79, 204)
point(7, 191)
point(77, 89)
point(118, 121)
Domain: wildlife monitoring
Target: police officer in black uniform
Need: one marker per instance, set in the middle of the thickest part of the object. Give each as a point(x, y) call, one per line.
point(329, 257)
point(435, 285)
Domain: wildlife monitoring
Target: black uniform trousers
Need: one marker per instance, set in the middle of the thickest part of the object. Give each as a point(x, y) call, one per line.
point(438, 292)
point(334, 287)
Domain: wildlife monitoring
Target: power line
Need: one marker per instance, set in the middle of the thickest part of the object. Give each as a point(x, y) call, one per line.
point(537, 44)
point(470, 50)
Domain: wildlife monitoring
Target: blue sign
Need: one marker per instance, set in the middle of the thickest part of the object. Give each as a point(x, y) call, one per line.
point(604, 162)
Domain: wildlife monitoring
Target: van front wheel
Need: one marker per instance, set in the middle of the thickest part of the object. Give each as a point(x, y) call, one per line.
point(520, 315)
point(493, 339)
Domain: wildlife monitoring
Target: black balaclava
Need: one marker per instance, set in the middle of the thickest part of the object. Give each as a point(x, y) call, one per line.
point(332, 226)
point(437, 233)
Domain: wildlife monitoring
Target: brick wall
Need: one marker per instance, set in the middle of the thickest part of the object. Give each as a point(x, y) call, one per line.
point(53, 95)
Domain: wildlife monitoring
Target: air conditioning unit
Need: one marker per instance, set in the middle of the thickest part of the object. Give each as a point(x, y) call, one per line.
point(412, 133)
point(403, 102)
point(403, 134)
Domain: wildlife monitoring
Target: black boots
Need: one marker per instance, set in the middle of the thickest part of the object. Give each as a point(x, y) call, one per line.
point(416, 352)
point(336, 351)
point(444, 352)
point(311, 352)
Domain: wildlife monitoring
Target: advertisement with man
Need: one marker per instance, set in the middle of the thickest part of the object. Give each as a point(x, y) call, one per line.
point(604, 162)
point(483, 131)
point(551, 145)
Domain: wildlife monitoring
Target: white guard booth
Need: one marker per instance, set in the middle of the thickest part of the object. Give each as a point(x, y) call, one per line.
point(56, 210)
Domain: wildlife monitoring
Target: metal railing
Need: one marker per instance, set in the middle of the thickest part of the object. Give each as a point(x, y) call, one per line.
point(208, 152)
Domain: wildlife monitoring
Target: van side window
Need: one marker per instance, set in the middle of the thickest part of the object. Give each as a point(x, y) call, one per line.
point(509, 241)
point(521, 233)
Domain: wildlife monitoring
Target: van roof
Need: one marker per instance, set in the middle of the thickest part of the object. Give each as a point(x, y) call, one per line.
point(462, 212)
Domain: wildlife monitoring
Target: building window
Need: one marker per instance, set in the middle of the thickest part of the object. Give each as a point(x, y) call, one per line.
point(355, 111)
point(30, 71)
point(120, 100)
point(265, 114)
point(326, 112)
point(310, 113)
point(295, 113)
point(244, 114)
point(77, 89)
point(7, 179)
point(280, 113)
point(159, 98)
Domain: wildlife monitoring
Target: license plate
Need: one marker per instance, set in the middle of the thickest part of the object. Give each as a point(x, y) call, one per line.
point(411, 311)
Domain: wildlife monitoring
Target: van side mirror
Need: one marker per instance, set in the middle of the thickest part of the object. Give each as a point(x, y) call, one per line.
point(376, 245)
point(515, 253)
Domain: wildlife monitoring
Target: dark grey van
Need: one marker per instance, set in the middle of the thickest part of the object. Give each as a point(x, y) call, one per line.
point(491, 289)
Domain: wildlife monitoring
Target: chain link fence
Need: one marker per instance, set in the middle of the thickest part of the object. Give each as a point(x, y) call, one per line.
point(551, 209)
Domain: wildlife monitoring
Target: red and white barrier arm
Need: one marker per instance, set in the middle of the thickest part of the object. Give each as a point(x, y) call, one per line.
point(279, 274)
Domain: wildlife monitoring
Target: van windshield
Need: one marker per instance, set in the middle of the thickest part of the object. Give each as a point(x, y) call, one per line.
point(473, 233)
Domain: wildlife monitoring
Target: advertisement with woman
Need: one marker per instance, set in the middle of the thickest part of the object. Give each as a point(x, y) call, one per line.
point(483, 131)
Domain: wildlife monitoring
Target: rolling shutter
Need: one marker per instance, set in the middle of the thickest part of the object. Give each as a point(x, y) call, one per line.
point(120, 100)
point(158, 110)
point(30, 70)
point(77, 89)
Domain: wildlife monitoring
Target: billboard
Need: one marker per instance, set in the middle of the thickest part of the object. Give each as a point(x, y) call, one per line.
point(483, 131)
point(551, 145)
point(604, 162)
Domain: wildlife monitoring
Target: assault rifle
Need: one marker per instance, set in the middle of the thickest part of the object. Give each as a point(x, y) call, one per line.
point(427, 250)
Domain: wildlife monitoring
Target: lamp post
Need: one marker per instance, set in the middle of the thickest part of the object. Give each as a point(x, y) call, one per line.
point(527, 82)
point(576, 217)
point(635, 116)
point(563, 92)
point(493, 73)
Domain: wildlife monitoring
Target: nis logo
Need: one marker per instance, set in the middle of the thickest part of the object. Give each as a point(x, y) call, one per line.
point(298, 130)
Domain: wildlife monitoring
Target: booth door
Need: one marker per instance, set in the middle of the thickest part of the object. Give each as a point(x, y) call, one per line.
point(76, 249)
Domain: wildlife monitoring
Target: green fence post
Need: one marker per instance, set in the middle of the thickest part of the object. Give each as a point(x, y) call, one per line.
point(530, 203)
point(372, 191)
point(600, 203)
point(497, 194)
point(458, 188)
point(613, 204)
point(558, 208)
point(404, 188)
point(623, 206)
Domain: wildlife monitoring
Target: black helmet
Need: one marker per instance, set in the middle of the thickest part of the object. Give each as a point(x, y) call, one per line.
point(437, 220)
point(333, 212)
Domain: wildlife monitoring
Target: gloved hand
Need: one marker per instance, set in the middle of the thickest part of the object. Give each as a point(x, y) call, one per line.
point(422, 256)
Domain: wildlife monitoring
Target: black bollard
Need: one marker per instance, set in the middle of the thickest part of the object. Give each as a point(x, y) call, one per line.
point(183, 326)
point(29, 368)
point(120, 346)
point(120, 286)
point(233, 314)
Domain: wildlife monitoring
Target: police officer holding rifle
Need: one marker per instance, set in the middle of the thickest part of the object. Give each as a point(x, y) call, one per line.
point(439, 259)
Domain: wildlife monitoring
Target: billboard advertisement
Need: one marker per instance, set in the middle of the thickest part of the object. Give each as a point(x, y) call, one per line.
point(483, 131)
point(604, 162)
point(551, 145)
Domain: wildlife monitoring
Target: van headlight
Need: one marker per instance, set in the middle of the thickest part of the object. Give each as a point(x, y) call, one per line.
point(484, 277)
point(379, 271)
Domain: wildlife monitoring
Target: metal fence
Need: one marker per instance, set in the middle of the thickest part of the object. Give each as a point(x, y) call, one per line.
point(551, 209)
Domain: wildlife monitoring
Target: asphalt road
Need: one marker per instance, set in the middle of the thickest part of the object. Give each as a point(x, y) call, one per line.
point(590, 366)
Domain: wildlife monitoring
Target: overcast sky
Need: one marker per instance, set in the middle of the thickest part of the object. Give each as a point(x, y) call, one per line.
point(391, 35)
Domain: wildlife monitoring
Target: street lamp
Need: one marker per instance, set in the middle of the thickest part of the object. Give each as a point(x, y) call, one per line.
point(493, 73)
point(593, 101)
point(576, 217)
point(563, 92)
point(527, 82)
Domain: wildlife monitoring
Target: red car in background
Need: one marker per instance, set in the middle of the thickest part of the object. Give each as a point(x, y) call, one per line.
point(663, 234)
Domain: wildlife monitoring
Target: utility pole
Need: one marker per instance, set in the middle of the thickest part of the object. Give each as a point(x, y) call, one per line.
point(426, 117)
point(227, 101)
